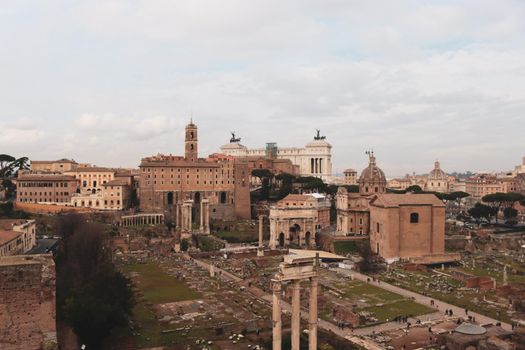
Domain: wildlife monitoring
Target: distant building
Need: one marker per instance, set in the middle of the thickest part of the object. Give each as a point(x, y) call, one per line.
point(91, 179)
point(350, 177)
point(296, 219)
point(436, 181)
point(520, 169)
point(407, 226)
point(315, 159)
point(45, 188)
point(53, 166)
point(401, 226)
point(275, 166)
point(480, 185)
point(166, 181)
point(17, 236)
point(27, 302)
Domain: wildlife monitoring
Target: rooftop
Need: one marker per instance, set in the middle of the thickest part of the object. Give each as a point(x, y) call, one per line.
point(396, 200)
point(45, 177)
point(8, 235)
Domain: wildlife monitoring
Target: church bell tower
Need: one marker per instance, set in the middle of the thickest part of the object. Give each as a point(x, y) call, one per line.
point(191, 143)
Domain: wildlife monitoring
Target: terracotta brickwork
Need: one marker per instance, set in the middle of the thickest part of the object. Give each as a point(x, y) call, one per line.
point(27, 302)
point(166, 180)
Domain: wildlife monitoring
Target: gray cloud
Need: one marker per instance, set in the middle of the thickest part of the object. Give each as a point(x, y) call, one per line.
point(109, 82)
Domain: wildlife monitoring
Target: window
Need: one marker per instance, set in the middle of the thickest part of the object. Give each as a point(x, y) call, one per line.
point(414, 218)
point(360, 221)
point(377, 224)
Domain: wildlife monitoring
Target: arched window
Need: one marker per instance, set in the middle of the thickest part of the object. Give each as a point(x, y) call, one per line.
point(414, 218)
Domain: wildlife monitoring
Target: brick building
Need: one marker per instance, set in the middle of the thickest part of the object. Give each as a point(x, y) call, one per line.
point(401, 226)
point(27, 302)
point(407, 225)
point(167, 180)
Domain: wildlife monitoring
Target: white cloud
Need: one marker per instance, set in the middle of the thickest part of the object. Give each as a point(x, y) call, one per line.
point(414, 80)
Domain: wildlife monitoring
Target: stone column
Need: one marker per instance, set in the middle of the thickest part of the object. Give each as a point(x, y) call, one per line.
point(177, 216)
point(201, 219)
point(206, 204)
point(296, 314)
point(273, 234)
point(312, 315)
point(276, 315)
point(260, 250)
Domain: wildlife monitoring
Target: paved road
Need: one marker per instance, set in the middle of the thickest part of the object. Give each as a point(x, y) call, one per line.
point(424, 300)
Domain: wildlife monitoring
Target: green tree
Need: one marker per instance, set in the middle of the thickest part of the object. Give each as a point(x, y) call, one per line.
point(414, 189)
point(265, 176)
point(510, 214)
point(481, 211)
point(458, 197)
point(352, 188)
point(286, 184)
point(500, 200)
point(9, 167)
point(93, 297)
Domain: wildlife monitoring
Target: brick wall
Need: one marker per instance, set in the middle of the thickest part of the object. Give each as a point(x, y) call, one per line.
point(27, 302)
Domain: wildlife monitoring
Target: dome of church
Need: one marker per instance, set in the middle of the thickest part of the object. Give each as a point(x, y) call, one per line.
point(372, 179)
point(437, 173)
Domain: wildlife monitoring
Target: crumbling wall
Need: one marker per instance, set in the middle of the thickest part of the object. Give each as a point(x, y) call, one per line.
point(27, 302)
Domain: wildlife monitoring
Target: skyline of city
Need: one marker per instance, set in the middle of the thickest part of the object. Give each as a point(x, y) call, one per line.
point(414, 81)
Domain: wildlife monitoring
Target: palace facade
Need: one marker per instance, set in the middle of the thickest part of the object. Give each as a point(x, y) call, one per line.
point(166, 181)
point(315, 159)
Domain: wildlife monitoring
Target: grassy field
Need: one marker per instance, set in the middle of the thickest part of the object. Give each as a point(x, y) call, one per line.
point(357, 290)
point(383, 304)
point(158, 287)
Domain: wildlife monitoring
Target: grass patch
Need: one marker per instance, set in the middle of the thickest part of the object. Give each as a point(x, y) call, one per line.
point(357, 290)
point(239, 236)
point(388, 311)
point(346, 247)
point(159, 287)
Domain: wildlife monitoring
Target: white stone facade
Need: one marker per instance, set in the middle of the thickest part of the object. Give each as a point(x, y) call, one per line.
point(315, 159)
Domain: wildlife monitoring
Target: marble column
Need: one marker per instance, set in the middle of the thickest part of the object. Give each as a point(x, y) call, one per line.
point(273, 234)
point(276, 315)
point(201, 219)
point(260, 250)
point(312, 314)
point(206, 204)
point(296, 314)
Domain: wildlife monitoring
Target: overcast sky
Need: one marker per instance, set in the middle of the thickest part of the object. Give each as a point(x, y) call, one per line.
point(109, 82)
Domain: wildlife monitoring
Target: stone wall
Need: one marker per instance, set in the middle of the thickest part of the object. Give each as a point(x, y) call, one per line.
point(27, 302)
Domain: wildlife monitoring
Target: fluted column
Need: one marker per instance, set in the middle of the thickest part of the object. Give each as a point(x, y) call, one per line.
point(312, 315)
point(276, 315)
point(296, 314)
